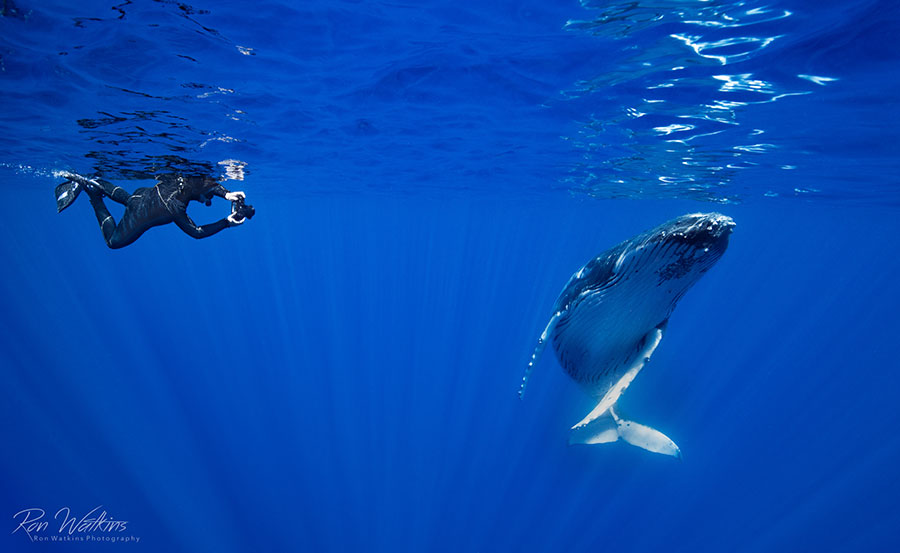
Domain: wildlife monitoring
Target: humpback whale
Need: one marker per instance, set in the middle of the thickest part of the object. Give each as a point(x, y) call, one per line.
point(613, 312)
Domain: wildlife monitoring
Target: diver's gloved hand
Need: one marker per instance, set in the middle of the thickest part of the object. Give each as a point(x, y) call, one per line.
point(235, 220)
point(234, 196)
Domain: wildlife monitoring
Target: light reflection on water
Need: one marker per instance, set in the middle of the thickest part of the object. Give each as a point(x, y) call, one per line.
point(671, 115)
point(719, 100)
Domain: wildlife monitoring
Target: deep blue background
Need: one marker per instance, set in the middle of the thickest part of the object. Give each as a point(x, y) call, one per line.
point(340, 373)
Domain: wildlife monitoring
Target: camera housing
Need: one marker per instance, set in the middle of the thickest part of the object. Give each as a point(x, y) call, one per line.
point(242, 210)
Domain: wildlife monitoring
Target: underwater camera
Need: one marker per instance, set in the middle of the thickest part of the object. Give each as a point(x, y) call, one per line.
point(241, 210)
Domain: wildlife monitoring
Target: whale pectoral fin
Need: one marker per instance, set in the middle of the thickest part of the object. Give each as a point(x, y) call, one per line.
point(647, 346)
point(645, 437)
point(538, 350)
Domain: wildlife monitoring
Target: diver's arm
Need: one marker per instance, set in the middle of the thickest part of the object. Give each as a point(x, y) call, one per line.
point(223, 192)
point(190, 228)
point(219, 191)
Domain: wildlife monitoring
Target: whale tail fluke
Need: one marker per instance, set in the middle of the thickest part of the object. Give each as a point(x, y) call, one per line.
point(610, 428)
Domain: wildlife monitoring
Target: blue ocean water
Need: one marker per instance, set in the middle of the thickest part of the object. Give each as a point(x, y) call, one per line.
point(340, 373)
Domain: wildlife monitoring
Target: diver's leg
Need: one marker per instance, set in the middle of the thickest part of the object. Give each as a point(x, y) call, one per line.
point(115, 193)
point(133, 222)
point(107, 223)
point(126, 232)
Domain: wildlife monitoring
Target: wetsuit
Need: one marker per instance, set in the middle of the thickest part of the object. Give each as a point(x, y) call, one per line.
point(150, 207)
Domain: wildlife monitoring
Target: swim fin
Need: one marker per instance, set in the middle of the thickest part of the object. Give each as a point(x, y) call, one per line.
point(66, 194)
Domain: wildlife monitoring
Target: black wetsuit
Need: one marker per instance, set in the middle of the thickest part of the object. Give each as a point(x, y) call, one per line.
point(150, 207)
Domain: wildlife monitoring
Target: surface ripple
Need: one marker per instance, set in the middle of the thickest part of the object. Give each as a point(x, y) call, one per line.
point(720, 100)
point(700, 99)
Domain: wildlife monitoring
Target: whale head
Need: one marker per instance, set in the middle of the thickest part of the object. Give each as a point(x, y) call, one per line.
point(685, 248)
point(706, 232)
point(663, 263)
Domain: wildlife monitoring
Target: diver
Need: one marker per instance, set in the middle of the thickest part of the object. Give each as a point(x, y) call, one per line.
point(150, 207)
